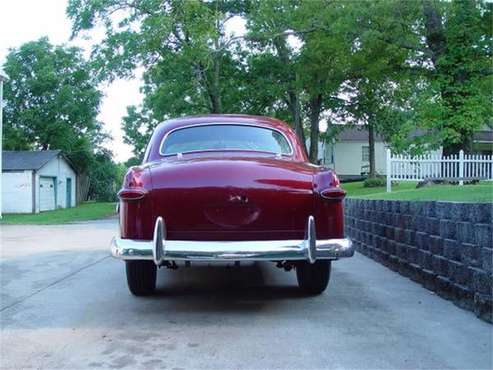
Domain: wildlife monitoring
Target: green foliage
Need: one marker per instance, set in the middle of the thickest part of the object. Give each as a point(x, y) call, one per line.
point(187, 56)
point(461, 82)
point(390, 65)
point(134, 161)
point(105, 178)
point(374, 182)
point(51, 102)
point(137, 128)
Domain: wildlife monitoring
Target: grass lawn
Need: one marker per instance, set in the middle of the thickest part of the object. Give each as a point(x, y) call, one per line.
point(83, 212)
point(482, 192)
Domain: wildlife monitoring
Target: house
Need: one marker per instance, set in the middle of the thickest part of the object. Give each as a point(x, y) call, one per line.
point(349, 153)
point(37, 181)
point(482, 141)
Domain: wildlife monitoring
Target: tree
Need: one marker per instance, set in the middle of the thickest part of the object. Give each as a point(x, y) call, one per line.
point(183, 47)
point(51, 101)
point(381, 78)
point(270, 24)
point(306, 54)
point(137, 128)
point(105, 177)
point(458, 43)
point(450, 58)
point(392, 65)
point(324, 61)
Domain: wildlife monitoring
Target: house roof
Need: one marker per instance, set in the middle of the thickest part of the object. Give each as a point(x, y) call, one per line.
point(483, 136)
point(352, 133)
point(26, 159)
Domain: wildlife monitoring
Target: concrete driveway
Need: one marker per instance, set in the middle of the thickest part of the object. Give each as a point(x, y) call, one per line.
point(65, 304)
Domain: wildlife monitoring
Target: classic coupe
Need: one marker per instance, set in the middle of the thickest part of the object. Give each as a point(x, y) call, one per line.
point(229, 188)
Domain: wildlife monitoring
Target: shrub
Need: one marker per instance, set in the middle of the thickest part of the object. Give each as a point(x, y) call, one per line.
point(374, 182)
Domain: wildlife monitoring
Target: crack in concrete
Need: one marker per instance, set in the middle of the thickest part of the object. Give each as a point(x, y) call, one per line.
point(75, 272)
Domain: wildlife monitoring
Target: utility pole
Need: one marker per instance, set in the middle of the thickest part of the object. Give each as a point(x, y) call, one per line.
point(3, 78)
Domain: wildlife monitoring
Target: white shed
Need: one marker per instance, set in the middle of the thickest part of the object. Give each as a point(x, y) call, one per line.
point(37, 181)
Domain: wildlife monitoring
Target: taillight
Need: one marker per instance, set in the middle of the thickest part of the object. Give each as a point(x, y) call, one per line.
point(330, 187)
point(131, 194)
point(133, 185)
point(335, 193)
point(335, 180)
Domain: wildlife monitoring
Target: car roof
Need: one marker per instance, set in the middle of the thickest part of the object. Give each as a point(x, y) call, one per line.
point(152, 151)
point(223, 118)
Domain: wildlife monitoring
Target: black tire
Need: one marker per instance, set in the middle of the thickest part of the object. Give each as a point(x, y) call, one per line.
point(313, 278)
point(141, 277)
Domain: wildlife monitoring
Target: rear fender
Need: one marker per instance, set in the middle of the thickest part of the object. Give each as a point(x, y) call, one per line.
point(136, 208)
point(329, 212)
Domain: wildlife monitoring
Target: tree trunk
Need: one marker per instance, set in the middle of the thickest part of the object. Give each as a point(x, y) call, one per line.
point(292, 93)
point(295, 108)
point(212, 92)
point(216, 75)
point(371, 150)
point(455, 148)
point(315, 108)
point(435, 36)
point(215, 104)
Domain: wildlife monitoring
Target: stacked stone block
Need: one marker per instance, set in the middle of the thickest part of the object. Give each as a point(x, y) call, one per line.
point(445, 246)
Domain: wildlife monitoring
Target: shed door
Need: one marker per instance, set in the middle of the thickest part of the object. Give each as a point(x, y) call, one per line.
point(46, 193)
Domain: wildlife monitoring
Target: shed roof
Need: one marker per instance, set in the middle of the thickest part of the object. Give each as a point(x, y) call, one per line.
point(26, 159)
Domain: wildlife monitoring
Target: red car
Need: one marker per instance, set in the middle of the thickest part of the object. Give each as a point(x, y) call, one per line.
point(229, 188)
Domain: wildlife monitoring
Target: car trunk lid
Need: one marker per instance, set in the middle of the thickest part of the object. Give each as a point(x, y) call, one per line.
point(221, 198)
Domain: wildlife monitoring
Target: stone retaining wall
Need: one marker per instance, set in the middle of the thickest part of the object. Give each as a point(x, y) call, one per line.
point(447, 247)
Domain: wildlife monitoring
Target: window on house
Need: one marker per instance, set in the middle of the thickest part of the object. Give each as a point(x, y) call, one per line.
point(365, 153)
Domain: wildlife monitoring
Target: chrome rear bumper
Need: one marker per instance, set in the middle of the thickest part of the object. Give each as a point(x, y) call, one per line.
point(159, 249)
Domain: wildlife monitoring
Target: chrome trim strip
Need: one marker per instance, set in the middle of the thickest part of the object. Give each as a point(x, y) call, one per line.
point(222, 150)
point(159, 249)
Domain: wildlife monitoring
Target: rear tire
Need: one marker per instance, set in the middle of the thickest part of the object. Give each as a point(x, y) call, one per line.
point(141, 277)
point(313, 278)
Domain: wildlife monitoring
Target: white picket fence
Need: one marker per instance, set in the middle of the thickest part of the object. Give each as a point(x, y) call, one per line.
point(455, 167)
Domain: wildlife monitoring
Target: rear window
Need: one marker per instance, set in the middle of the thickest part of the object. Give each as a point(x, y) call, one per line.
point(225, 137)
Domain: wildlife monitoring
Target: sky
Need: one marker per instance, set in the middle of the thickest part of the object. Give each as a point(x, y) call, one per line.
point(27, 20)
